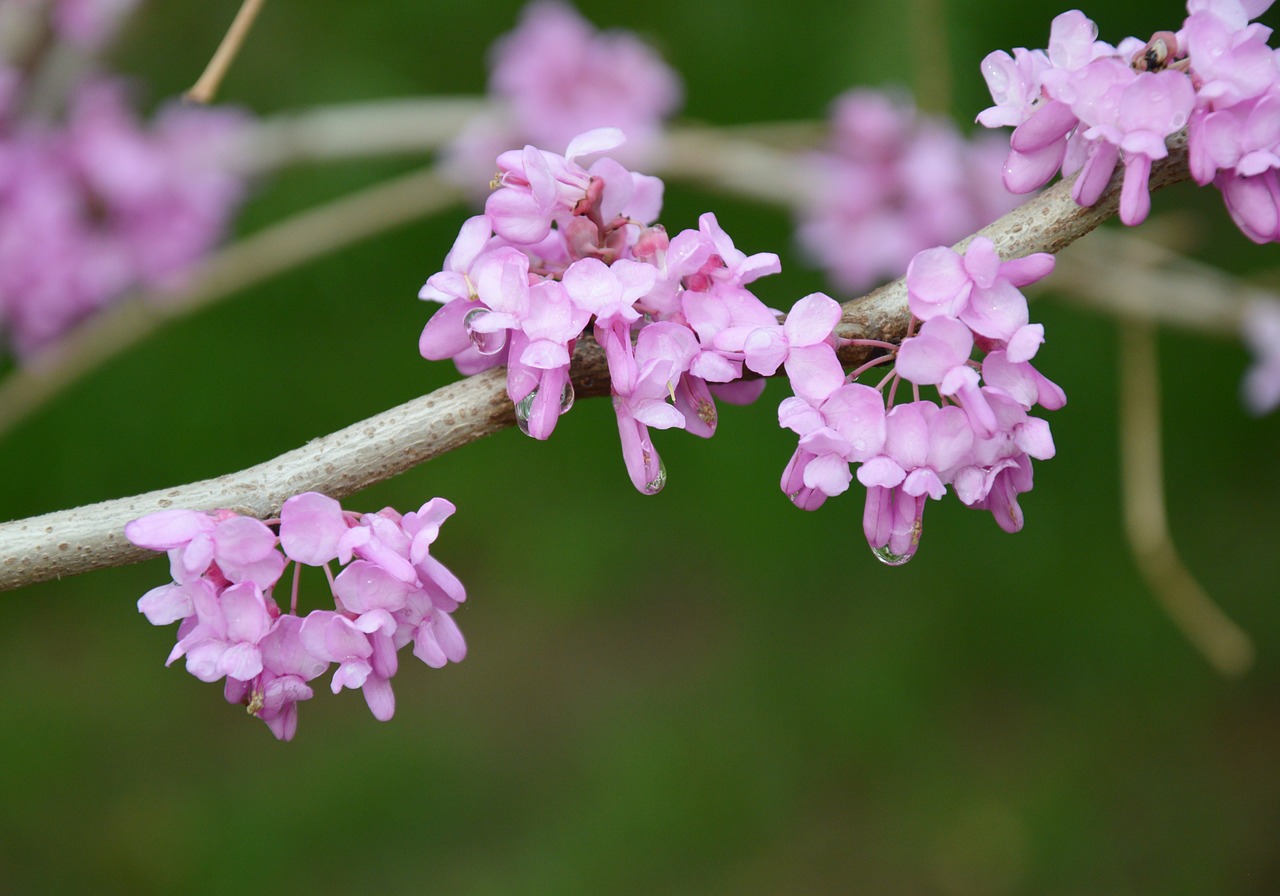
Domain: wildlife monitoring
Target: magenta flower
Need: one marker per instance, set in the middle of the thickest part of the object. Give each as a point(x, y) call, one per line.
point(286, 668)
point(226, 545)
point(334, 638)
point(977, 287)
point(891, 182)
point(561, 77)
point(663, 352)
point(846, 427)
point(924, 445)
point(103, 204)
point(391, 591)
point(224, 640)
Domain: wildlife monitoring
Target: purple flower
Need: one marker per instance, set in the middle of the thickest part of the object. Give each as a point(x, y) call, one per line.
point(224, 640)
point(556, 76)
point(561, 77)
point(663, 352)
point(892, 182)
point(977, 287)
point(228, 547)
point(391, 592)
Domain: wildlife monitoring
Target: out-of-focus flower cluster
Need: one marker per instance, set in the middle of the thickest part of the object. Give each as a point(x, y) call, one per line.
point(564, 245)
point(94, 202)
point(556, 76)
point(1085, 105)
point(978, 438)
point(226, 568)
point(893, 181)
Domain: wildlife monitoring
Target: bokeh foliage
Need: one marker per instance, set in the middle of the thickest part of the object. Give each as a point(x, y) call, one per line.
point(707, 691)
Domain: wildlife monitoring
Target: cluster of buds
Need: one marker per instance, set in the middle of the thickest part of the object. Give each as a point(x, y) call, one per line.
point(561, 247)
point(226, 567)
point(1088, 106)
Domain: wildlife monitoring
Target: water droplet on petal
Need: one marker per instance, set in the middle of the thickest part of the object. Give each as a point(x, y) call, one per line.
point(485, 343)
point(654, 485)
point(566, 398)
point(889, 558)
point(524, 408)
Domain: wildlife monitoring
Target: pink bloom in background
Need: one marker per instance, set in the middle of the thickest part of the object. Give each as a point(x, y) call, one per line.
point(893, 182)
point(392, 592)
point(556, 76)
point(90, 23)
point(104, 205)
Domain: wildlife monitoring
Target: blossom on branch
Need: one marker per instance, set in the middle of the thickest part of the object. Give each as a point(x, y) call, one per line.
point(1087, 106)
point(571, 242)
point(226, 567)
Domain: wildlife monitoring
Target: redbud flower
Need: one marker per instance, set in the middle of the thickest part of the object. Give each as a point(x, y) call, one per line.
point(556, 76)
point(391, 592)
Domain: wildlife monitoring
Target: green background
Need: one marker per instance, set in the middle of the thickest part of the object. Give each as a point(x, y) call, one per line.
point(707, 691)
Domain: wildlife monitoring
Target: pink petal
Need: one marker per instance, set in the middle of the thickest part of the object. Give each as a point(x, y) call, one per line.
point(311, 524)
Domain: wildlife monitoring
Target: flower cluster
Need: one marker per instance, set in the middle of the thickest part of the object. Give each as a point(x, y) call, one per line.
point(225, 568)
point(1087, 106)
point(561, 247)
point(978, 438)
point(556, 76)
point(96, 203)
point(893, 181)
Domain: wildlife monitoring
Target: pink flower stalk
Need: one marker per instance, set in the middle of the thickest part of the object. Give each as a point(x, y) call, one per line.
point(391, 592)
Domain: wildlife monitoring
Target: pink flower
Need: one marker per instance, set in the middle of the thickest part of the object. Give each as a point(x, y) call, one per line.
point(228, 626)
point(977, 287)
point(663, 352)
point(363, 659)
point(892, 182)
point(238, 548)
point(846, 427)
point(561, 77)
point(391, 592)
point(803, 344)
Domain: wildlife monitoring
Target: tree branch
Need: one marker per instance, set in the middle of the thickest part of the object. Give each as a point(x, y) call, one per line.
point(86, 538)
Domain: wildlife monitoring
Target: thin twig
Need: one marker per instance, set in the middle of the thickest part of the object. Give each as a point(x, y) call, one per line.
point(207, 85)
point(1227, 648)
point(74, 541)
